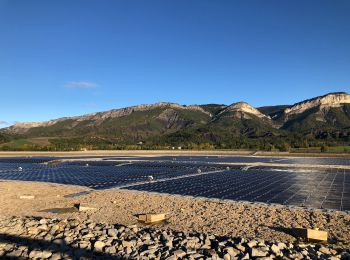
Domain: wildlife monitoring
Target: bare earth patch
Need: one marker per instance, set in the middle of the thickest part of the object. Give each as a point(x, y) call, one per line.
point(252, 221)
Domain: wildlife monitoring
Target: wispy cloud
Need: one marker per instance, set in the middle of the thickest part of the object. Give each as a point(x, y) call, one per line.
point(90, 105)
point(82, 84)
point(4, 123)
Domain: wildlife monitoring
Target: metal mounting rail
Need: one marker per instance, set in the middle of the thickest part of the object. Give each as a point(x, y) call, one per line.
point(167, 179)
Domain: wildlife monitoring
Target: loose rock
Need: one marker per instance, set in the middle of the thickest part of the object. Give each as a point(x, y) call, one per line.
point(73, 239)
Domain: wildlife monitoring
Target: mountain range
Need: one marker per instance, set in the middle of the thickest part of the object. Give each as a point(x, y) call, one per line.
point(169, 124)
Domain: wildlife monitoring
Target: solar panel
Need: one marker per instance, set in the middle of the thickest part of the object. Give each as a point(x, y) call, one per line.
point(200, 176)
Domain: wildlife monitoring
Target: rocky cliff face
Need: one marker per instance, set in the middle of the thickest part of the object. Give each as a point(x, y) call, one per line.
point(22, 127)
point(324, 114)
point(99, 117)
point(329, 100)
point(128, 110)
point(171, 119)
point(242, 110)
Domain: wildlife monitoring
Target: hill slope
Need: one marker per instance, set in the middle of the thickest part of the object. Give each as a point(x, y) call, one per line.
point(328, 113)
point(167, 124)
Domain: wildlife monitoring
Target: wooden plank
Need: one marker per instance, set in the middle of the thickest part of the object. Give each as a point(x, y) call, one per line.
point(316, 235)
point(83, 207)
point(151, 218)
point(311, 235)
point(154, 217)
point(27, 197)
point(142, 217)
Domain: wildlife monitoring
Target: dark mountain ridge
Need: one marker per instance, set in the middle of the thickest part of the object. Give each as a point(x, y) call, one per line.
point(217, 125)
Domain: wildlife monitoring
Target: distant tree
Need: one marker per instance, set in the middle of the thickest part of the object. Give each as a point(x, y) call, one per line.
point(6, 148)
point(324, 149)
point(284, 147)
point(305, 143)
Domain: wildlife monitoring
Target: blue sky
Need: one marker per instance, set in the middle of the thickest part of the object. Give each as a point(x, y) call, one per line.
point(63, 58)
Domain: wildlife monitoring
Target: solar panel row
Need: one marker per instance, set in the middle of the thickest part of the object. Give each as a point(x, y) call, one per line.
point(318, 188)
point(328, 189)
point(246, 159)
point(96, 177)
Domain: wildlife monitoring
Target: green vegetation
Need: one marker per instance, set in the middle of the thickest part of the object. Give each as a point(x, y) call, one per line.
point(185, 140)
point(325, 149)
point(25, 144)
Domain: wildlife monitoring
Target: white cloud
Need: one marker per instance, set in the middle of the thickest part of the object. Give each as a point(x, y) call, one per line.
point(4, 124)
point(82, 84)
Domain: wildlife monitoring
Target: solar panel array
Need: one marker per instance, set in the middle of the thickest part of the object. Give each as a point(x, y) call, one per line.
point(201, 176)
point(329, 189)
point(36, 159)
point(96, 177)
point(246, 159)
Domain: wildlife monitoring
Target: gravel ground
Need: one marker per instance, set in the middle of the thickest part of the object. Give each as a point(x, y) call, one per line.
point(42, 238)
point(233, 219)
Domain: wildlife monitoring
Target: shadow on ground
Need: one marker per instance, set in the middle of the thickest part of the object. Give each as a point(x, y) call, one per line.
point(67, 251)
